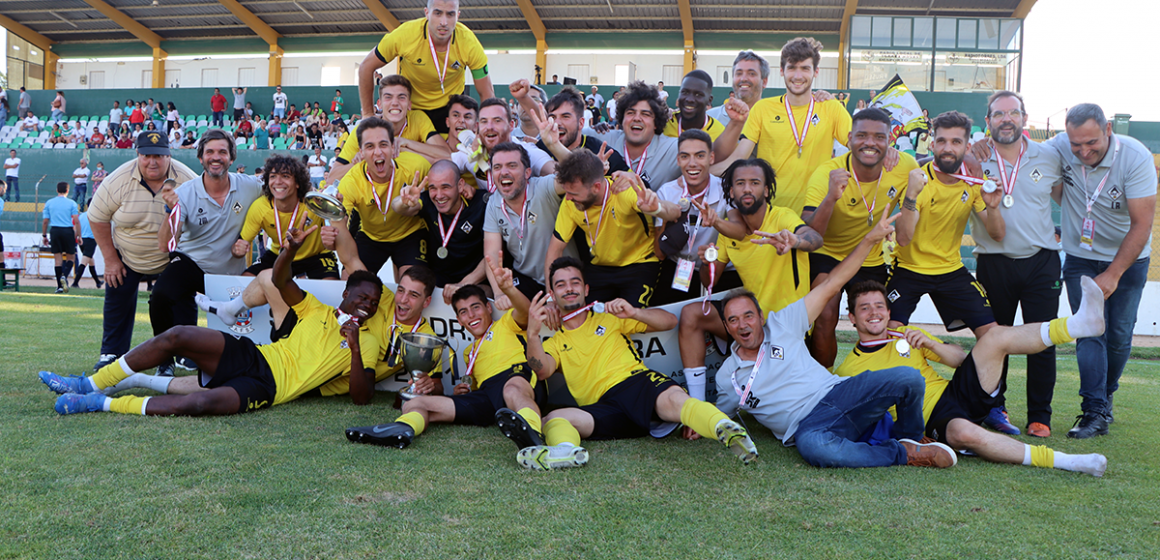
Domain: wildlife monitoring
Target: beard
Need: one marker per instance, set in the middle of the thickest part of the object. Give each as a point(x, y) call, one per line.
point(749, 210)
point(948, 167)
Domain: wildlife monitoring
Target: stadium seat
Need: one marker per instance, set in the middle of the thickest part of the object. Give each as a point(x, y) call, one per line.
point(46, 146)
point(12, 120)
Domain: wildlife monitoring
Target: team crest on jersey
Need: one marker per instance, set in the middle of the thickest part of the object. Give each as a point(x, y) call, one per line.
point(814, 121)
point(244, 324)
point(344, 345)
point(456, 66)
point(466, 227)
point(307, 223)
point(532, 218)
point(893, 296)
point(1036, 174)
point(200, 210)
point(964, 198)
point(776, 353)
point(613, 213)
point(893, 191)
point(600, 330)
point(1115, 192)
point(854, 201)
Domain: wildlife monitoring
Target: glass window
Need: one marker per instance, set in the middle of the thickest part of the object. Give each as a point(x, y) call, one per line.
point(902, 32)
point(973, 71)
point(860, 31)
point(946, 33)
point(923, 33)
point(988, 34)
point(1009, 34)
point(967, 30)
point(881, 32)
point(873, 69)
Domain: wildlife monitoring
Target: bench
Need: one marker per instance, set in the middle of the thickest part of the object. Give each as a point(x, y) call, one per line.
point(15, 272)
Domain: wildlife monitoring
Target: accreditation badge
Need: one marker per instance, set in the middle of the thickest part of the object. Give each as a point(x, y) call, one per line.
point(1087, 234)
point(684, 275)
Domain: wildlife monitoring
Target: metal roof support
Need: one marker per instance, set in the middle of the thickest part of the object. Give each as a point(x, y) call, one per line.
point(264, 31)
point(382, 13)
point(45, 44)
point(687, 30)
point(537, 27)
point(844, 44)
point(1023, 9)
point(127, 23)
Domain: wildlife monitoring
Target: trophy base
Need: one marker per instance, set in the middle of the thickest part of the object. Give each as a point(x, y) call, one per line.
point(406, 394)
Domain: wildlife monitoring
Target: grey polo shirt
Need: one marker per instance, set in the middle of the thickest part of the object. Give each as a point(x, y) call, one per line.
point(530, 253)
point(719, 114)
point(660, 163)
point(1029, 224)
point(208, 230)
point(1133, 176)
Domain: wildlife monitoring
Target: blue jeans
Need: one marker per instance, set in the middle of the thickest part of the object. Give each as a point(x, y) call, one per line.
point(79, 192)
point(1102, 358)
point(217, 118)
point(13, 194)
point(57, 115)
point(827, 436)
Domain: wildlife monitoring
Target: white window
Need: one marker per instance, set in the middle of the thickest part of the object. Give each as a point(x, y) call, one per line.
point(724, 76)
point(621, 75)
point(146, 79)
point(290, 76)
point(331, 76)
point(578, 71)
point(209, 77)
point(172, 78)
point(245, 77)
point(671, 74)
point(97, 79)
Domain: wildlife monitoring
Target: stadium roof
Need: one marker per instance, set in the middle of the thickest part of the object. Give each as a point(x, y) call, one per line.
point(155, 21)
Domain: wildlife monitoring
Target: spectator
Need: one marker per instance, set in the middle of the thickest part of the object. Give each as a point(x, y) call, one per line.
point(314, 134)
point(249, 111)
point(241, 170)
point(81, 181)
point(124, 142)
point(189, 141)
point(58, 107)
point(98, 177)
point(172, 117)
point(336, 103)
point(116, 115)
point(280, 102)
point(57, 135)
point(217, 104)
point(861, 105)
point(275, 127)
point(337, 152)
point(12, 173)
point(317, 165)
point(137, 115)
point(261, 136)
point(3, 107)
point(294, 114)
point(30, 123)
point(245, 129)
point(318, 112)
point(300, 137)
point(77, 134)
point(595, 96)
point(175, 136)
point(555, 80)
point(157, 115)
point(240, 103)
point(664, 95)
point(25, 104)
point(97, 140)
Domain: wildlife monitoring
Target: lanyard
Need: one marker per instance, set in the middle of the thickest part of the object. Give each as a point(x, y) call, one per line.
point(640, 163)
point(490, 183)
point(709, 288)
point(600, 222)
point(880, 341)
point(278, 221)
point(962, 176)
point(1099, 188)
point(748, 384)
point(1009, 183)
point(877, 183)
point(390, 190)
point(693, 198)
point(445, 235)
point(442, 72)
point(175, 218)
point(523, 211)
point(800, 141)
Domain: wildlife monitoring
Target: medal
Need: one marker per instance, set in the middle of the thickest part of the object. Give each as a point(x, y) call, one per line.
point(598, 307)
point(711, 254)
point(441, 252)
point(596, 233)
point(1008, 200)
point(1008, 181)
point(989, 187)
point(445, 234)
point(684, 204)
point(869, 204)
point(799, 140)
point(902, 346)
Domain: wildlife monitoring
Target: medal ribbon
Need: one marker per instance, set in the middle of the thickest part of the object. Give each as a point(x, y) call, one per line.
point(800, 141)
point(523, 212)
point(446, 235)
point(709, 289)
point(577, 312)
point(600, 222)
point(748, 384)
point(278, 222)
point(968, 179)
point(174, 218)
point(442, 72)
point(692, 198)
point(640, 165)
point(390, 189)
point(1009, 183)
point(475, 352)
point(1099, 188)
point(877, 182)
point(879, 342)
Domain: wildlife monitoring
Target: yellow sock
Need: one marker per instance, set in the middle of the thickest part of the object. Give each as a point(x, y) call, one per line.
point(414, 420)
point(559, 430)
point(110, 375)
point(532, 417)
point(128, 405)
point(1042, 456)
point(702, 417)
point(1057, 329)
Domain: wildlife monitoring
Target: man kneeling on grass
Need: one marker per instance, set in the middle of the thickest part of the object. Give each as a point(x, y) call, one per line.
point(236, 375)
point(952, 409)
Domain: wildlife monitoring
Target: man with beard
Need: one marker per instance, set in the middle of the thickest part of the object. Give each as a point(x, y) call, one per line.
point(936, 203)
point(206, 215)
point(694, 97)
point(772, 259)
point(495, 128)
point(565, 110)
point(846, 196)
point(519, 224)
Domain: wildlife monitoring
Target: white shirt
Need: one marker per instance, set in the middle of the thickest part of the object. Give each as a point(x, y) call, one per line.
point(317, 166)
point(664, 95)
point(12, 171)
point(280, 100)
point(115, 115)
point(172, 116)
point(81, 171)
point(32, 121)
point(611, 106)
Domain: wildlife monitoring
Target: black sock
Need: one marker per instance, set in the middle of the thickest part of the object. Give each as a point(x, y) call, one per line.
point(67, 269)
point(58, 276)
point(80, 274)
point(93, 273)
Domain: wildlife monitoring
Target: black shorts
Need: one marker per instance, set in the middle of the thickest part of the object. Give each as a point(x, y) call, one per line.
point(526, 284)
point(628, 409)
point(665, 292)
point(410, 250)
point(243, 368)
point(278, 332)
point(62, 240)
point(439, 117)
point(479, 406)
point(824, 264)
point(963, 398)
point(317, 267)
point(634, 283)
point(88, 246)
point(960, 299)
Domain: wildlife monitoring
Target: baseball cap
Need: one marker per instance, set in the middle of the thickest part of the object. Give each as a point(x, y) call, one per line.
point(152, 143)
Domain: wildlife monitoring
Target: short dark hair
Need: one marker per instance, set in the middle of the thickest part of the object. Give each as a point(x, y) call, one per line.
point(739, 293)
point(799, 49)
point(216, 134)
point(1004, 93)
point(766, 169)
point(395, 80)
point(581, 165)
point(512, 147)
point(466, 101)
point(466, 292)
point(292, 166)
point(750, 55)
point(872, 114)
point(695, 134)
point(567, 94)
point(422, 275)
point(564, 262)
point(373, 122)
point(864, 287)
point(61, 187)
point(497, 102)
point(639, 91)
point(1084, 112)
point(701, 75)
point(359, 276)
point(951, 119)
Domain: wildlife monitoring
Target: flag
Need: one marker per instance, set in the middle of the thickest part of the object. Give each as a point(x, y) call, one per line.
point(905, 113)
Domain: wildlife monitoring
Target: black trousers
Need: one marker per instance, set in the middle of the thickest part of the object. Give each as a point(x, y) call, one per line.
point(121, 311)
point(1035, 284)
point(171, 302)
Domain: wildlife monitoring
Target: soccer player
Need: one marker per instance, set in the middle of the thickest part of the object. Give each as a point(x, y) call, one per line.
point(930, 232)
point(771, 375)
point(772, 260)
point(640, 139)
point(434, 54)
point(813, 126)
point(462, 112)
point(617, 396)
point(750, 76)
point(61, 213)
point(495, 128)
point(846, 196)
point(454, 226)
point(693, 99)
point(499, 380)
point(369, 189)
point(566, 111)
point(284, 186)
point(88, 249)
point(952, 409)
point(615, 225)
point(236, 375)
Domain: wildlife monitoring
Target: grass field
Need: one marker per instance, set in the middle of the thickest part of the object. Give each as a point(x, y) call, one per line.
point(285, 483)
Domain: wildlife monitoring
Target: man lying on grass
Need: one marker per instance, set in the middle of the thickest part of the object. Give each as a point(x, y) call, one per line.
point(952, 409)
point(236, 375)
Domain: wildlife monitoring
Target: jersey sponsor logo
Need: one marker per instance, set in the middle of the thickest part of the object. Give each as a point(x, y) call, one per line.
point(600, 330)
point(1036, 175)
point(893, 296)
point(776, 352)
point(200, 210)
point(457, 66)
point(202, 221)
point(854, 201)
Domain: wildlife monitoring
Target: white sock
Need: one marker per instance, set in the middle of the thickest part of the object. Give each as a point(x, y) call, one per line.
point(144, 404)
point(1027, 451)
point(141, 381)
point(226, 311)
point(695, 379)
point(1091, 463)
point(125, 366)
point(1088, 320)
point(1045, 334)
point(105, 405)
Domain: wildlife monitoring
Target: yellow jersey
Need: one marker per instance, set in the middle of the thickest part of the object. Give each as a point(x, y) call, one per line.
point(712, 127)
point(503, 347)
point(315, 351)
point(260, 217)
point(848, 224)
point(625, 233)
point(943, 210)
point(597, 355)
point(409, 43)
point(769, 126)
point(886, 356)
point(776, 280)
point(417, 128)
point(381, 223)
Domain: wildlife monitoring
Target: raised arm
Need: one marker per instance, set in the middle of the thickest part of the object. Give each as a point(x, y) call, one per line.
point(540, 361)
point(503, 279)
point(726, 143)
point(821, 294)
point(656, 319)
point(281, 276)
point(908, 219)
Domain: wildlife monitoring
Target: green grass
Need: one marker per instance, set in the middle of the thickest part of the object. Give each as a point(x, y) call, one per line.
point(285, 483)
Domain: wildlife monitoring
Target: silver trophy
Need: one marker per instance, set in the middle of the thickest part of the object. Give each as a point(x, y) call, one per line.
point(325, 205)
point(421, 353)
